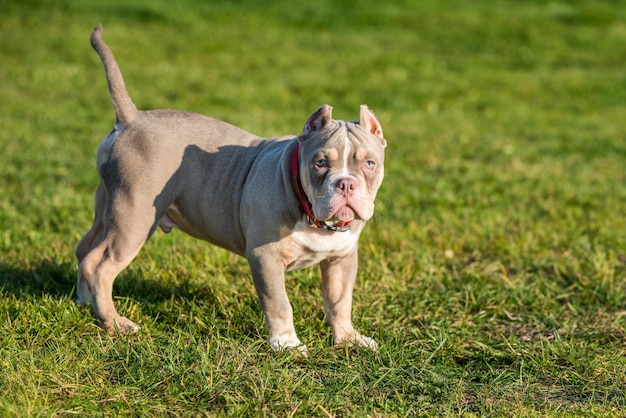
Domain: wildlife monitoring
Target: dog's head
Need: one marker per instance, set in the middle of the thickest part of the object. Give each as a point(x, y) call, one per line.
point(341, 165)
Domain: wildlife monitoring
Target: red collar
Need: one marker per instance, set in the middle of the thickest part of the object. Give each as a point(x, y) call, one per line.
point(304, 201)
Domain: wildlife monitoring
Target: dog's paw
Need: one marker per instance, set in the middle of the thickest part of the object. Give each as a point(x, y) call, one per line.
point(367, 342)
point(288, 342)
point(121, 325)
point(359, 340)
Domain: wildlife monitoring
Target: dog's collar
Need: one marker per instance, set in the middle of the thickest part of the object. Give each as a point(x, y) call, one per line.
point(304, 201)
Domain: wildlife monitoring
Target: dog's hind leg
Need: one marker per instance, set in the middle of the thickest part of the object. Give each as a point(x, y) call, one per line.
point(92, 238)
point(119, 232)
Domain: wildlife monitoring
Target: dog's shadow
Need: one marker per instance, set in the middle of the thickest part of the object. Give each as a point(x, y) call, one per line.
point(46, 278)
point(57, 280)
point(166, 303)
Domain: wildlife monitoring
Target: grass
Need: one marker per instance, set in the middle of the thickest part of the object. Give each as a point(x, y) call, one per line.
point(493, 276)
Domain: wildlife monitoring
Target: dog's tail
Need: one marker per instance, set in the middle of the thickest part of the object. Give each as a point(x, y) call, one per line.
point(125, 109)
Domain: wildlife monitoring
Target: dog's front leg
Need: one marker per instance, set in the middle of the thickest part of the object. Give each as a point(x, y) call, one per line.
point(338, 278)
point(269, 281)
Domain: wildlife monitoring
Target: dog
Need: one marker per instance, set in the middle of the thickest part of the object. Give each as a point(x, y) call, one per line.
point(283, 203)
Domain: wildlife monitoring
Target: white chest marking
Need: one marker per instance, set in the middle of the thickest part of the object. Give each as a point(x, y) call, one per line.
point(323, 241)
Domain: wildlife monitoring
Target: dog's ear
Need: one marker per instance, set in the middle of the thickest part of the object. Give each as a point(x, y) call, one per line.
point(369, 122)
point(320, 118)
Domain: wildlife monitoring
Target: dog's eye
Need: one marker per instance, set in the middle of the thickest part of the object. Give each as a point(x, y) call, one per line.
point(321, 163)
point(370, 164)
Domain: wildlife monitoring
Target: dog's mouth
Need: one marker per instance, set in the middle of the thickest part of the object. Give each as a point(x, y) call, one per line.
point(344, 214)
point(341, 210)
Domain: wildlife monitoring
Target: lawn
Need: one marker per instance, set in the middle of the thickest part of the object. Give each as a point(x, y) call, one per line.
point(493, 275)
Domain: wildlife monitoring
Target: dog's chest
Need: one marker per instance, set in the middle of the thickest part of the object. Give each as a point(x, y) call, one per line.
point(311, 245)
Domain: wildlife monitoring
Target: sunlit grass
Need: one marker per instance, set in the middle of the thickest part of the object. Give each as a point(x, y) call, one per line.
point(493, 274)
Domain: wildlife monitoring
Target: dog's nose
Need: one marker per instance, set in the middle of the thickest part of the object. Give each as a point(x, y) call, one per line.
point(346, 186)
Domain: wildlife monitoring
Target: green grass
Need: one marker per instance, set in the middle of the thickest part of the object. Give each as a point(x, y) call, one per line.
point(493, 275)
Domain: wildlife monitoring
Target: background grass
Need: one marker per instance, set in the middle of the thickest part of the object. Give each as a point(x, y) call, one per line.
point(493, 275)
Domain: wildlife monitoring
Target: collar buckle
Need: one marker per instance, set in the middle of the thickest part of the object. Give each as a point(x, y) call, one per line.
point(338, 227)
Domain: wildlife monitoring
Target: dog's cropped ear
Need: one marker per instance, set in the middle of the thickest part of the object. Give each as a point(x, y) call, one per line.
point(320, 118)
point(369, 122)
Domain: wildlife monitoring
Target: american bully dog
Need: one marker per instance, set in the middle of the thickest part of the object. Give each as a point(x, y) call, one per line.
point(282, 203)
